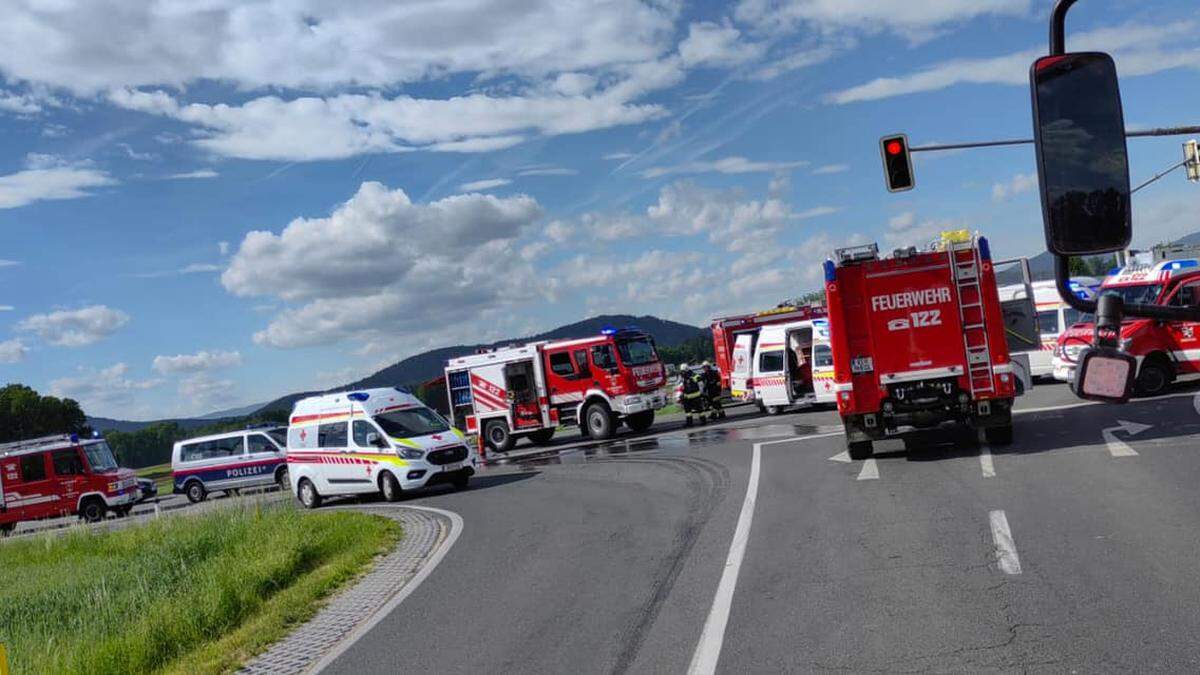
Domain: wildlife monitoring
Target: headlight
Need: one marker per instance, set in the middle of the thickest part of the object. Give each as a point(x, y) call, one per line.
point(409, 453)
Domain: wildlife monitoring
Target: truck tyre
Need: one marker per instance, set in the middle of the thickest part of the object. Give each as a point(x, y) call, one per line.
point(640, 421)
point(541, 436)
point(1153, 377)
point(773, 409)
point(860, 449)
point(389, 487)
point(307, 493)
point(999, 435)
point(599, 421)
point(498, 438)
point(93, 510)
point(195, 492)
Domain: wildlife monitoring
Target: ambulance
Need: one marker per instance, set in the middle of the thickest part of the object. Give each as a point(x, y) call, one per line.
point(372, 441)
point(62, 475)
point(918, 341)
point(1165, 350)
point(1054, 317)
point(735, 337)
point(793, 366)
point(594, 383)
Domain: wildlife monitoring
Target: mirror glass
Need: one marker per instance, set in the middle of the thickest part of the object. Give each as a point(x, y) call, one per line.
point(1083, 168)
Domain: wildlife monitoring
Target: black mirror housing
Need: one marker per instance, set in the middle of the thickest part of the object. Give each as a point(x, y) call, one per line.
point(1104, 374)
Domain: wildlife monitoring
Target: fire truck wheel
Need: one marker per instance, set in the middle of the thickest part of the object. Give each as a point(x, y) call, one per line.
point(497, 435)
point(640, 421)
point(308, 495)
point(999, 435)
point(1153, 377)
point(599, 421)
point(389, 486)
point(772, 409)
point(541, 436)
point(93, 510)
point(860, 449)
point(195, 492)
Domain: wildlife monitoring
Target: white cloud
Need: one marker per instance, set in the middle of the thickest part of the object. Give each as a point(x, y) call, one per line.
point(223, 247)
point(711, 44)
point(88, 46)
point(198, 173)
point(12, 351)
point(1137, 50)
point(48, 178)
point(816, 212)
point(6, 308)
point(204, 393)
point(199, 268)
point(619, 156)
point(382, 265)
point(548, 171)
point(831, 168)
point(904, 229)
point(103, 391)
point(801, 58)
point(726, 165)
point(1020, 183)
point(486, 184)
point(75, 327)
point(20, 104)
point(135, 155)
point(914, 20)
point(201, 361)
point(9, 263)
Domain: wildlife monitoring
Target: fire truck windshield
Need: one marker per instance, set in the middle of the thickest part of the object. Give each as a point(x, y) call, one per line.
point(637, 352)
point(1144, 294)
point(100, 457)
point(414, 422)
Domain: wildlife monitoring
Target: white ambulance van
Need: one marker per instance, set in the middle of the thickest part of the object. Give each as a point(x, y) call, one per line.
point(793, 366)
point(374, 440)
point(1054, 316)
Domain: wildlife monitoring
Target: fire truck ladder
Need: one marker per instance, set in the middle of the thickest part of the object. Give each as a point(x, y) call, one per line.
point(964, 261)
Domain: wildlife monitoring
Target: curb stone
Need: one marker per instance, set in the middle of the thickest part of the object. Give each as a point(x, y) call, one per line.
point(305, 646)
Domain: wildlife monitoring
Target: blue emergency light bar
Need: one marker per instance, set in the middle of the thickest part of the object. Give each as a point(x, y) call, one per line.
point(608, 330)
point(359, 396)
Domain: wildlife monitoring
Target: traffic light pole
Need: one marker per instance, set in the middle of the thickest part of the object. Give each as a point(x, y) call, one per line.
point(1140, 133)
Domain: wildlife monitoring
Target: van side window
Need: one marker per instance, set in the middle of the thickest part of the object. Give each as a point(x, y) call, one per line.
point(770, 362)
point(361, 429)
point(1047, 321)
point(33, 467)
point(228, 447)
point(260, 443)
point(581, 363)
point(332, 435)
point(560, 364)
point(822, 356)
point(67, 462)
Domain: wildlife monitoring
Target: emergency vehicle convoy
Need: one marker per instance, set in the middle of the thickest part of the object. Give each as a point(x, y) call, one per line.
point(791, 365)
point(594, 383)
point(734, 339)
point(1165, 350)
point(374, 440)
point(62, 475)
point(918, 341)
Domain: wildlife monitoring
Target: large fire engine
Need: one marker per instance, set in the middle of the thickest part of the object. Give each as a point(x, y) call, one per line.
point(734, 337)
point(918, 341)
point(60, 476)
point(1164, 350)
point(530, 390)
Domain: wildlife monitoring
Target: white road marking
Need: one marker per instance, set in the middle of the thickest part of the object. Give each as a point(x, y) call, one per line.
point(870, 470)
point(456, 528)
point(985, 462)
point(1006, 551)
point(843, 456)
point(708, 650)
point(1117, 447)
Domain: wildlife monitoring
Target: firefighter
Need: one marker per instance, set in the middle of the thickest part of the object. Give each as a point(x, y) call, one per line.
point(712, 390)
point(693, 395)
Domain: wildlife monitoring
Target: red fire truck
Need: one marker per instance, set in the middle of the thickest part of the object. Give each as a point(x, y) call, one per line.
point(918, 341)
point(61, 476)
point(736, 335)
point(594, 383)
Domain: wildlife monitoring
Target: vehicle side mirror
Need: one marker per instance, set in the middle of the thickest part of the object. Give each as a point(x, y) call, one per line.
point(1104, 374)
point(1083, 165)
point(374, 440)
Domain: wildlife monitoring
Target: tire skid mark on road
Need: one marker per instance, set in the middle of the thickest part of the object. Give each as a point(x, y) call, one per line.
point(1006, 550)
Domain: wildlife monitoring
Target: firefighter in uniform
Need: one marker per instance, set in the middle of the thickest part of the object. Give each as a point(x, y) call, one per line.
point(712, 390)
point(693, 395)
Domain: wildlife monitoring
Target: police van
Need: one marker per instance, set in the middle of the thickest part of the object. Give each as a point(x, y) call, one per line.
point(373, 440)
point(229, 462)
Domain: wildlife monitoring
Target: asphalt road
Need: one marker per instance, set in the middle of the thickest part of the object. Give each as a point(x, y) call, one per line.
point(1074, 549)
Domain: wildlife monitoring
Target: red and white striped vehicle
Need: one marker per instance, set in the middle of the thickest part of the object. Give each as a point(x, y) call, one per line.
point(595, 383)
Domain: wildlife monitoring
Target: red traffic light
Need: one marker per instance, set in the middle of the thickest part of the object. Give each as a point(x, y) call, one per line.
point(894, 147)
point(897, 164)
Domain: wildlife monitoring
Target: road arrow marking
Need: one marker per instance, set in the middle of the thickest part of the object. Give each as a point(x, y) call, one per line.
point(1117, 447)
point(843, 456)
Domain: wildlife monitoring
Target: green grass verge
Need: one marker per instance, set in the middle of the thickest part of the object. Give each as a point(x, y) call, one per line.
point(161, 475)
point(184, 594)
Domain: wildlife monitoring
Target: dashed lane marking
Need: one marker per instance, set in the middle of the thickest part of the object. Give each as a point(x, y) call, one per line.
point(985, 462)
point(1006, 550)
point(870, 470)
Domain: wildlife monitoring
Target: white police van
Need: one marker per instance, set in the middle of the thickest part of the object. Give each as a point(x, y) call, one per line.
point(230, 461)
point(373, 440)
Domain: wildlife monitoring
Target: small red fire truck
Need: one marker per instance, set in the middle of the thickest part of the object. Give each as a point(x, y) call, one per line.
point(734, 336)
point(1165, 350)
point(60, 476)
point(594, 383)
point(918, 341)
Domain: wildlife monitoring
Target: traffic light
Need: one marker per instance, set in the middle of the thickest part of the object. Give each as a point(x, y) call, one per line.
point(1191, 155)
point(897, 163)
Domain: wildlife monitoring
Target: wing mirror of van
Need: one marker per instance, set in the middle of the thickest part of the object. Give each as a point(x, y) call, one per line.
point(1083, 165)
point(374, 440)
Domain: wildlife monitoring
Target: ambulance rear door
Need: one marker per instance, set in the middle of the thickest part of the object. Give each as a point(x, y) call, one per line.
point(770, 368)
point(824, 382)
point(740, 385)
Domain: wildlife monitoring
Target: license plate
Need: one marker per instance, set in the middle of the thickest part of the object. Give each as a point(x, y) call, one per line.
point(454, 466)
point(861, 364)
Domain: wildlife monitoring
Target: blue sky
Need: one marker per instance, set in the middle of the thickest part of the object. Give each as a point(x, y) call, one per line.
point(203, 209)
